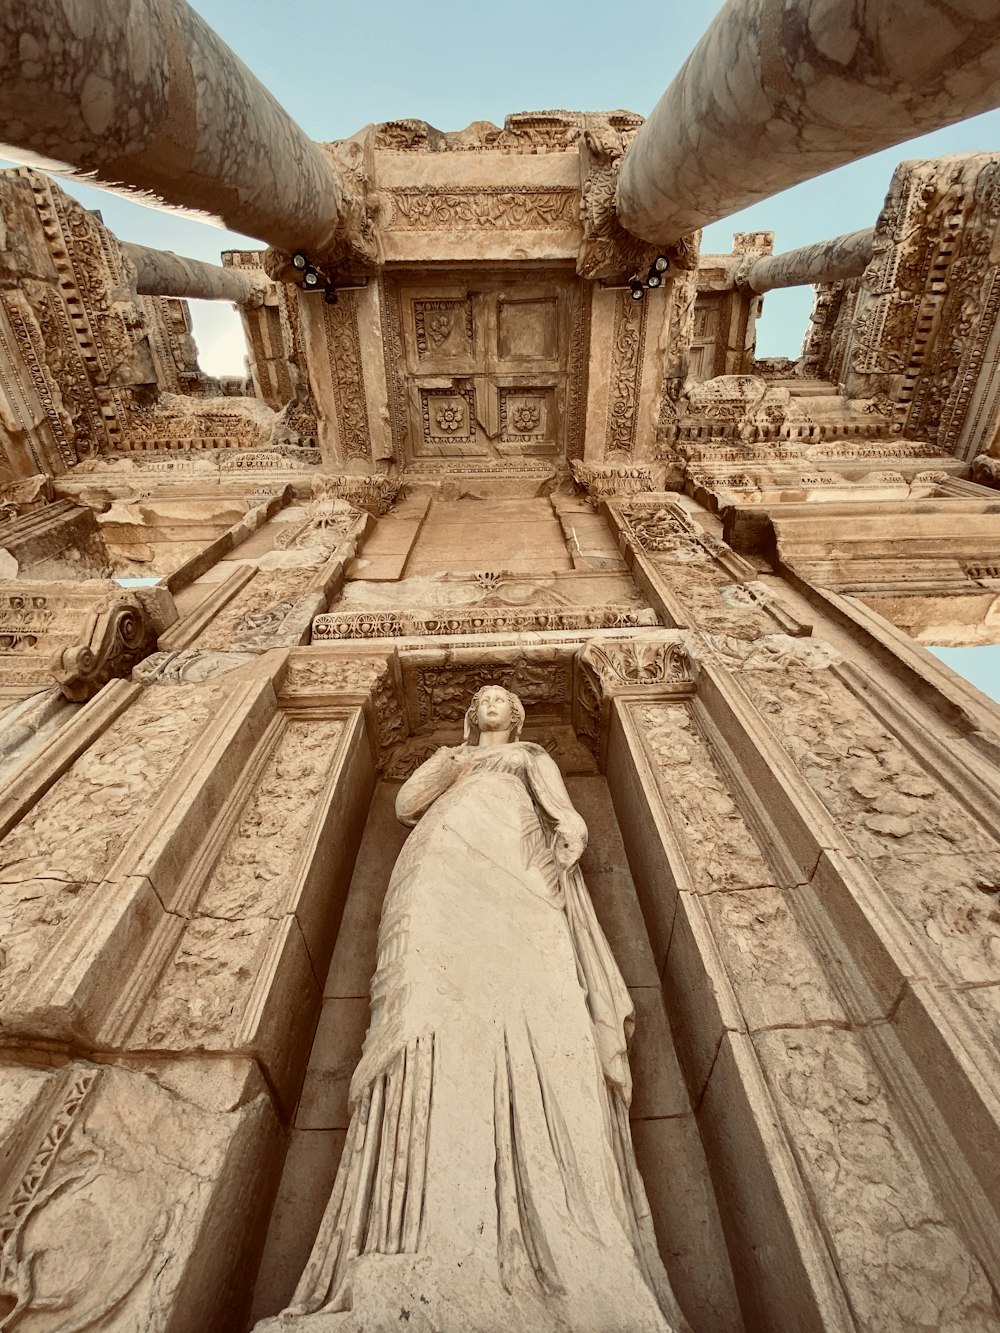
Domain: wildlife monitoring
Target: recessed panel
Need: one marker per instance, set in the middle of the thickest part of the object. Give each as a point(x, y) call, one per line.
point(528, 330)
point(527, 420)
point(442, 330)
point(448, 423)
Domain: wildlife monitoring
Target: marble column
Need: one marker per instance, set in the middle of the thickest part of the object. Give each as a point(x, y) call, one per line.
point(162, 273)
point(779, 91)
point(825, 261)
point(146, 96)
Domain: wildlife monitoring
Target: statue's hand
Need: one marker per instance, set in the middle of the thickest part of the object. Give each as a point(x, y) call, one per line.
point(567, 850)
point(452, 761)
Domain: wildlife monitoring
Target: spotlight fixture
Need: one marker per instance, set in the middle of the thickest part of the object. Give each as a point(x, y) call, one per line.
point(654, 279)
point(311, 279)
point(660, 264)
point(299, 261)
point(636, 288)
point(330, 294)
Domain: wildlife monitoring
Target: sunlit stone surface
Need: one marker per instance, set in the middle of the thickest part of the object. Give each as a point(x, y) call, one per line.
point(267, 1060)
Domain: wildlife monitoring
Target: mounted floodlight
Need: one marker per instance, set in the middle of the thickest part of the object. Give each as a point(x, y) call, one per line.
point(299, 261)
point(653, 279)
point(636, 288)
point(661, 263)
point(330, 295)
point(310, 279)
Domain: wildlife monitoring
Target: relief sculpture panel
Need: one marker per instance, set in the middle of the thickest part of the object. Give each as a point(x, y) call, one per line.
point(489, 1111)
point(482, 369)
point(56, 858)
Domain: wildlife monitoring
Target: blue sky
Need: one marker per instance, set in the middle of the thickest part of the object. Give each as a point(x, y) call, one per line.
point(336, 66)
point(980, 666)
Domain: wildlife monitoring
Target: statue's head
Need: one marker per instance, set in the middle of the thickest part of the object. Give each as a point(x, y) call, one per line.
point(494, 709)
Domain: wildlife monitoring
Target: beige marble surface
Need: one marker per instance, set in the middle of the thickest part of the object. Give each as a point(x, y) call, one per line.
point(776, 94)
point(149, 96)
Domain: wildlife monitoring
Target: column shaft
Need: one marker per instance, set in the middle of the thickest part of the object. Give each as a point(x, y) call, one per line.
point(162, 273)
point(825, 261)
point(779, 91)
point(145, 95)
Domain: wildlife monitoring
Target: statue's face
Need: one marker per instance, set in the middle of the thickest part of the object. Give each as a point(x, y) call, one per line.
point(496, 711)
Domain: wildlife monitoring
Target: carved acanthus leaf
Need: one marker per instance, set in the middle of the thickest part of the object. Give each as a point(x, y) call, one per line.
point(602, 481)
point(608, 251)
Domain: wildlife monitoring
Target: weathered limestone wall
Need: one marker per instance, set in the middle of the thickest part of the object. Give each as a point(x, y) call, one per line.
point(154, 949)
point(805, 807)
point(797, 813)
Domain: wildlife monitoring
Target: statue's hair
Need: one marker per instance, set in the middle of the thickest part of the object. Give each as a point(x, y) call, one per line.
point(472, 713)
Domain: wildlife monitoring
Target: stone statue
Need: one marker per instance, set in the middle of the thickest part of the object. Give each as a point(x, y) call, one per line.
point(488, 1182)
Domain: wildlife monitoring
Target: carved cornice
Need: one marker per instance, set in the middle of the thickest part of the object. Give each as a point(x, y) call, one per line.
point(524, 132)
point(602, 481)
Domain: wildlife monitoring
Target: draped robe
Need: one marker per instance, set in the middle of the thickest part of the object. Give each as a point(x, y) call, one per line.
point(488, 1182)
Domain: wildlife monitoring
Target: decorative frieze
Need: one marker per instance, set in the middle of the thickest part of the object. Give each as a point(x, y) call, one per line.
point(491, 620)
point(602, 481)
point(625, 374)
point(493, 207)
point(340, 323)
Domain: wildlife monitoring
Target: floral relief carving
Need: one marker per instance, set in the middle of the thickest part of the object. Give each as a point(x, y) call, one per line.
point(625, 374)
point(376, 495)
point(603, 481)
point(443, 692)
point(888, 805)
point(208, 983)
point(526, 417)
point(68, 842)
point(640, 661)
point(450, 417)
point(900, 1259)
point(440, 208)
point(721, 852)
point(254, 608)
point(347, 375)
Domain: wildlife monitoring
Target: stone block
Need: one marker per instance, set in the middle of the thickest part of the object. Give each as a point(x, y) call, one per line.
point(880, 1209)
point(672, 1163)
point(306, 1184)
point(771, 960)
point(698, 994)
point(870, 944)
point(131, 1205)
point(951, 1037)
point(782, 1267)
point(336, 821)
point(658, 1086)
point(645, 835)
point(336, 1050)
point(606, 872)
point(354, 954)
